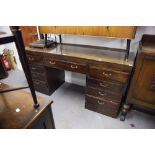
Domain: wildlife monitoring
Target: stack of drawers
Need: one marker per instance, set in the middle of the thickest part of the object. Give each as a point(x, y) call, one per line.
point(38, 73)
point(46, 80)
point(39, 77)
point(105, 89)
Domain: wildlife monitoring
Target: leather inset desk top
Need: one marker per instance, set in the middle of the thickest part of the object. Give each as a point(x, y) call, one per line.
point(100, 54)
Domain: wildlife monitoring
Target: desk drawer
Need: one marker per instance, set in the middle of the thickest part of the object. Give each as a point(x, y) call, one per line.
point(104, 95)
point(37, 68)
point(40, 83)
point(66, 65)
point(41, 86)
point(106, 73)
point(74, 67)
point(39, 76)
point(34, 58)
point(105, 85)
point(102, 106)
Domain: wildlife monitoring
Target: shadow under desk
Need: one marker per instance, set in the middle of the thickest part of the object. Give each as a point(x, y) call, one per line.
point(107, 73)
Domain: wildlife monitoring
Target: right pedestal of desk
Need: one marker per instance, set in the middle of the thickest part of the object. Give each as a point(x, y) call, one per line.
point(106, 86)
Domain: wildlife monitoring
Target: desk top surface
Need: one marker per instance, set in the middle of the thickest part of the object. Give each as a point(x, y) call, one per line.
point(100, 54)
point(16, 109)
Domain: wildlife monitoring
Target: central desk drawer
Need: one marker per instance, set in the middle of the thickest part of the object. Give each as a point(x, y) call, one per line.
point(106, 73)
point(66, 65)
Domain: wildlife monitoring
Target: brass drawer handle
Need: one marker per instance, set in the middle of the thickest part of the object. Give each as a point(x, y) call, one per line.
point(31, 59)
point(102, 94)
point(107, 74)
point(52, 62)
point(37, 82)
point(103, 85)
point(33, 68)
point(101, 103)
point(72, 66)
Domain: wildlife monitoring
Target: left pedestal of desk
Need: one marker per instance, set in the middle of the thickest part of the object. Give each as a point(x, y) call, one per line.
point(17, 112)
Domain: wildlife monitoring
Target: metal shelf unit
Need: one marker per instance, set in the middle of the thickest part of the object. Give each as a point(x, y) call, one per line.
point(16, 37)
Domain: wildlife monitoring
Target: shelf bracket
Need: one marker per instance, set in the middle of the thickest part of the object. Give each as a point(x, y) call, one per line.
point(45, 40)
point(128, 48)
point(60, 38)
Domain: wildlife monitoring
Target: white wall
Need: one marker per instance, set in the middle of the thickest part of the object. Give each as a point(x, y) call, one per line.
point(96, 41)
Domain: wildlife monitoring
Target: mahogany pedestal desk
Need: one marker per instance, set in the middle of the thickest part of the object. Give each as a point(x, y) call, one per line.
point(107, 73)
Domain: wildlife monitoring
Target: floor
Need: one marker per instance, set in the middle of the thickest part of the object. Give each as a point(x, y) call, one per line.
point(69, 112)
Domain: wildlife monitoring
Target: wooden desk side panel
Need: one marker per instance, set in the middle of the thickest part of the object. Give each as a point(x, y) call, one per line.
point(125, 32)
